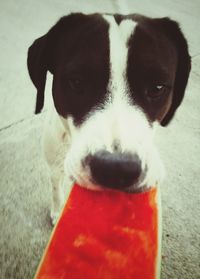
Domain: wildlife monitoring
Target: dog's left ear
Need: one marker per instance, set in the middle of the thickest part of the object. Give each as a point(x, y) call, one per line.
point(37, 67)
point(173, 32)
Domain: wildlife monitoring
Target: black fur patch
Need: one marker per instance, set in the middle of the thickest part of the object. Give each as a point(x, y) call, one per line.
point(76, 52)
point(158, 55)
point(82, 68)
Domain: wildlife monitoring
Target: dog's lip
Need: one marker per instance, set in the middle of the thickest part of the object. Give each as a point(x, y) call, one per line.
point(136, 188)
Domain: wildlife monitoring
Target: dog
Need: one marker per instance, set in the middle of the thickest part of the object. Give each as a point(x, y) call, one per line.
point(115, 78)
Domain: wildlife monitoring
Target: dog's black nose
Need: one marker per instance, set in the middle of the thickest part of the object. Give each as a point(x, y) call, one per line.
point(114, 170)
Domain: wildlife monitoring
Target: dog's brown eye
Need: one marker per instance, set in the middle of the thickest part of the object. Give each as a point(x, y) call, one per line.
point(75, 84)
point(159, 87)
point(155, 91)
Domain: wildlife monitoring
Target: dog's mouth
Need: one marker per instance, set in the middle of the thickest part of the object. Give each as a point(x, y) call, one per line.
point(136, 187)
point(90, 179)
point(117, 171)
point(92, 185)
point(121, 171)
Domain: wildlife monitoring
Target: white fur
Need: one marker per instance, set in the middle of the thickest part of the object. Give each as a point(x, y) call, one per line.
point(56, 139)
point(66, 146)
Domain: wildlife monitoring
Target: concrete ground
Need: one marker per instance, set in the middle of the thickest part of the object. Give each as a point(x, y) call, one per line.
point(24, 185)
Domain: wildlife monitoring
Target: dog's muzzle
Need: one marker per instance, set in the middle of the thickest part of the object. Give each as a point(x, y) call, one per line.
point(114, 170)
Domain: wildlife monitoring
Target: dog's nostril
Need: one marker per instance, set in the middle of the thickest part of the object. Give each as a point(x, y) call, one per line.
point(114, 170)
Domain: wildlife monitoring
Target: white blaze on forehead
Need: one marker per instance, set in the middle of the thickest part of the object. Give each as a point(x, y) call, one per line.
point(119, 120)
point(118, 37)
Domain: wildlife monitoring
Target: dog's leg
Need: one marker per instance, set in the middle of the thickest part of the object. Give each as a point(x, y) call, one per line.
point(55, 143)
point(57, 196)
point(61, 186)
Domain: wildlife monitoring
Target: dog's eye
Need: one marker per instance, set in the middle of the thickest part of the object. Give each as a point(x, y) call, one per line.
point(75, 84)
point(155, 91)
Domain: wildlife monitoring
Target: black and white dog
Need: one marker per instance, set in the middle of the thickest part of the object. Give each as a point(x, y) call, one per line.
point(115, 77)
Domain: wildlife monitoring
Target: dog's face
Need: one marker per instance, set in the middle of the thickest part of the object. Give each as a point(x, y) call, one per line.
point(115, 78)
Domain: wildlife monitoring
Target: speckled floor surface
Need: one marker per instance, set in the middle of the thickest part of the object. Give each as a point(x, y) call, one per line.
point(24, 185)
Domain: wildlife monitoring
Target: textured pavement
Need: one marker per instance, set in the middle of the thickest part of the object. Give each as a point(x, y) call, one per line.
point(24, 185)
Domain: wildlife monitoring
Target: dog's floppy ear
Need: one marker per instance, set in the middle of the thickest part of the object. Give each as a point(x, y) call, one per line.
point(37, 67)
point(173, 32)
point(41, 53)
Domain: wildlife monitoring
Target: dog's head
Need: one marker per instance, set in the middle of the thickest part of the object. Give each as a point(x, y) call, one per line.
point(114, 78)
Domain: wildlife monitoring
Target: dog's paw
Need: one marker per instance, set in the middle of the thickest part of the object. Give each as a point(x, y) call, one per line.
point(54, 217)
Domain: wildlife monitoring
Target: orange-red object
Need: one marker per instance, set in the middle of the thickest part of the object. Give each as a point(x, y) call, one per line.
point(105, 235)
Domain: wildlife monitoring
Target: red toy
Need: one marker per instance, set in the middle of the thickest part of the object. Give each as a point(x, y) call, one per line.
point(105, 235)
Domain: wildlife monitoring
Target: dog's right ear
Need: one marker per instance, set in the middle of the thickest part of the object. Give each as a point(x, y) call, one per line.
point(37, 67)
